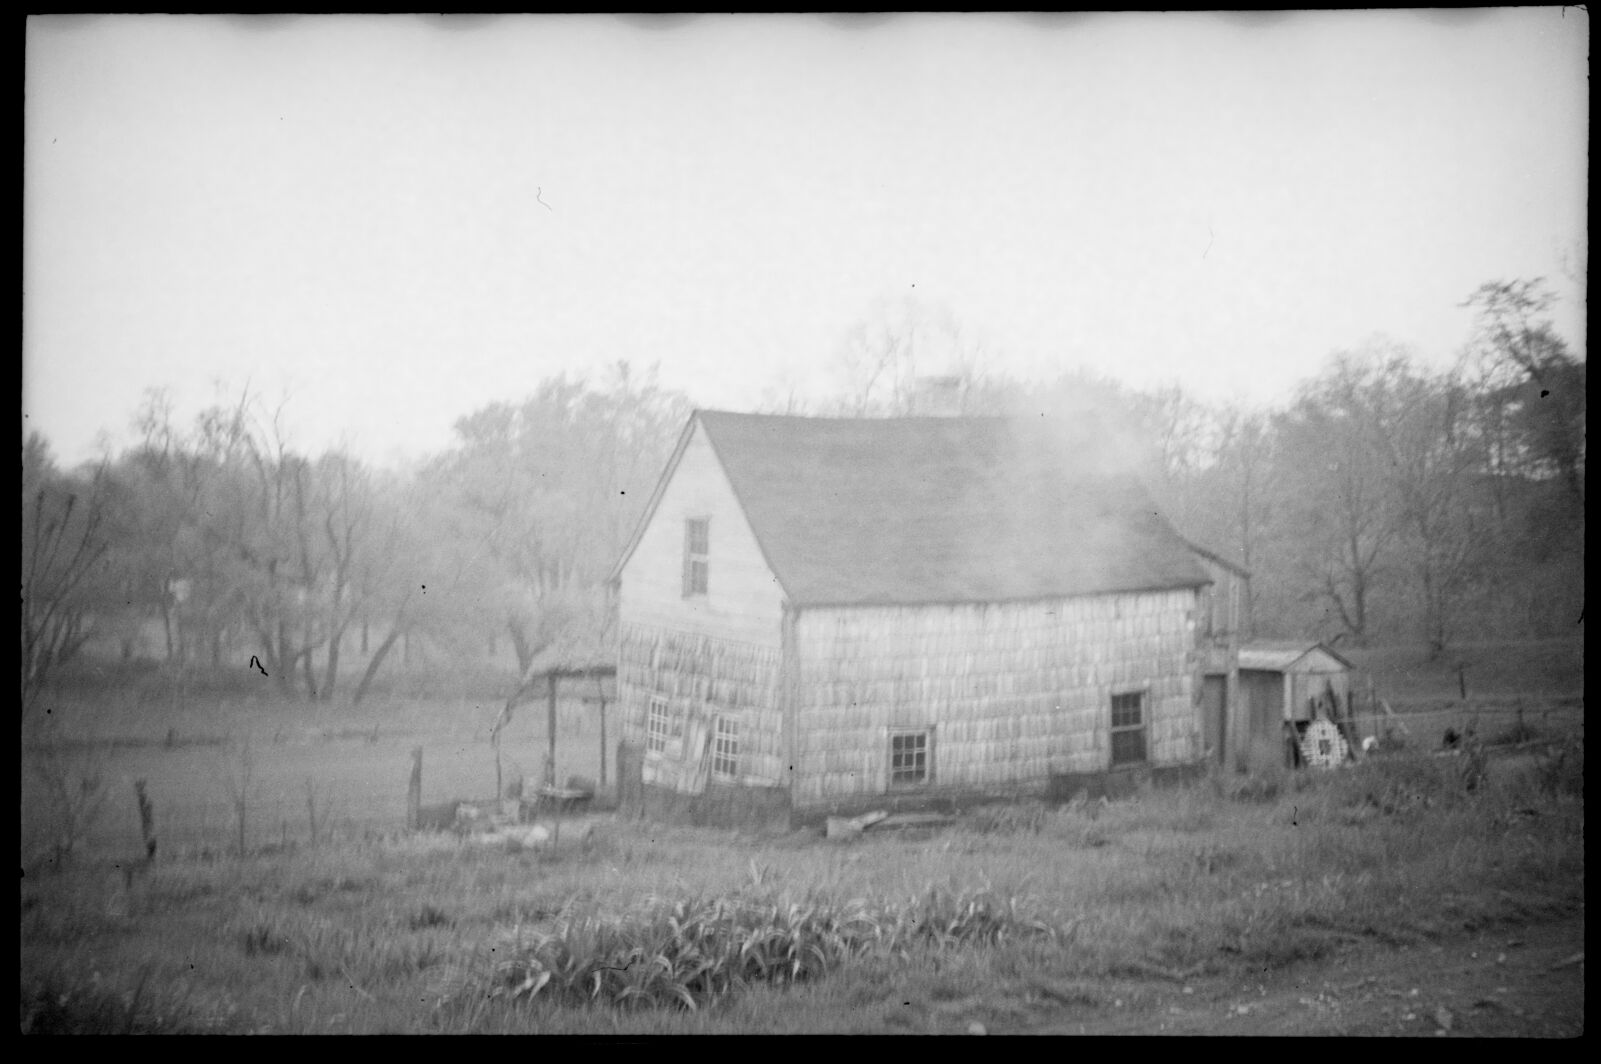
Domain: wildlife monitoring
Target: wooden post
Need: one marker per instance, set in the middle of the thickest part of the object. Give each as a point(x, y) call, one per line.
point(1373, 709)
point(147, 819)
point(1238, 729)
point(414, 792)
point(602, 739)
point(550, 755)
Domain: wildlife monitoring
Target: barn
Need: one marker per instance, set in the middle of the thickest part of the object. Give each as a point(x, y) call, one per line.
point(820, 616)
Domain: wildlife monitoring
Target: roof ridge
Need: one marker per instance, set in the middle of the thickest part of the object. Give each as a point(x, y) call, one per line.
point(893, 418)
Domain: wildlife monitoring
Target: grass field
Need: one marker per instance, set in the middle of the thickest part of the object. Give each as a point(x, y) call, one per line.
point(1005, 920)
point(354, 764)
point(1532, 688)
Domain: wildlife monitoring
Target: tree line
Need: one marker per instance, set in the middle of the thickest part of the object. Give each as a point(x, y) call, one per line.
point(221, 535)
point(1385, 501)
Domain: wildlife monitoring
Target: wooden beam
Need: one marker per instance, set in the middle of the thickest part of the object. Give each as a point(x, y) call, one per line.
point(602, 691)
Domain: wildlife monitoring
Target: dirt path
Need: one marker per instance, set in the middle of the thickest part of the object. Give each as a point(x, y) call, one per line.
point(1507, 981)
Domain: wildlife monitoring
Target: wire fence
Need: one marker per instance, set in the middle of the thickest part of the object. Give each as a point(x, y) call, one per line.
point(286, 794)
point(1547, 719)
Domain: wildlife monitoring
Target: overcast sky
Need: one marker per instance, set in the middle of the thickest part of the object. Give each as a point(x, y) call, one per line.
point(396, 220)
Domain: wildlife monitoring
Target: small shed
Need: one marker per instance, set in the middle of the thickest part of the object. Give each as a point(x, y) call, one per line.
point(1284, 686)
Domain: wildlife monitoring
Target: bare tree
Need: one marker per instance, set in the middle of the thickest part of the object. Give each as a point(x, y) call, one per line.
point(548, 490)
point(1230, 496)
point(63, 544)
point(888, 354)
point(1533, 388)
point(1431, 456)
point(1340, 500)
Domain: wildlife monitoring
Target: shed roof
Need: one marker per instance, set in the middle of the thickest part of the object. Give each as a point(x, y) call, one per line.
point(927, 510)
point(1283, 655)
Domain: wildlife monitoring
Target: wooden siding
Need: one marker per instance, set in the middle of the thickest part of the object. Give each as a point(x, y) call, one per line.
point(1013, 692)
point(1225, 604)
point(743, 602)
point(702, 677)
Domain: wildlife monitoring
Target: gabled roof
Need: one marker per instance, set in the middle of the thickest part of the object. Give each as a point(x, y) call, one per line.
point(1281, 655)
point(1217, 559)
point(928, 510)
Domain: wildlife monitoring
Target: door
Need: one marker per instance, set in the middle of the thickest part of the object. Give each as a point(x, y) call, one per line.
point(1214, 715)
point(1262, 697)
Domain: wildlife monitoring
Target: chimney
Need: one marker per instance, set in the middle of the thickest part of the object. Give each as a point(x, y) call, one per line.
point(937, 396)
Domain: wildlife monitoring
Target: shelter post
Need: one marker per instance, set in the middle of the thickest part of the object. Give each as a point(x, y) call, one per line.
point(550, 724)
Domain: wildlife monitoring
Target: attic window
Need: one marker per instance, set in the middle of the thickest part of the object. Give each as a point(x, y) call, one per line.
point(1128, 728)
point(697, 551)
point(908, 758)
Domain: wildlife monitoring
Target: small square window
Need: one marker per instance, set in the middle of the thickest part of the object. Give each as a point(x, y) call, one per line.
point(725, 748)
point(1128, 728)
point(908, 758)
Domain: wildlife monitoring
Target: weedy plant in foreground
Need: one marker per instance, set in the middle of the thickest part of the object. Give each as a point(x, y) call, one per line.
point(687, 953)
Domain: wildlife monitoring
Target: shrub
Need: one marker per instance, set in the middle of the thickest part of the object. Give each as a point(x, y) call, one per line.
point(1560, 769)
point(72, 800)
point(429, 916)
point(1518, 731)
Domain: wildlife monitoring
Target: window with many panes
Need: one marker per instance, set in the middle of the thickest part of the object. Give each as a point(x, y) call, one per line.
point(725, 748)
point(1128, 728)
point(909, 758)
point(697, 552)
point(658, 726)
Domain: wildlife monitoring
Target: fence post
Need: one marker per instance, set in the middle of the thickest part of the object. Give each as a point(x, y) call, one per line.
point(1373, 709)
point(147, 819)
point(414, 792)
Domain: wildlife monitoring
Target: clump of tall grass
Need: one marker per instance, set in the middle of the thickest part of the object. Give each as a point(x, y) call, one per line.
point(370, 953)
point(57, 1006)
point(686, 953)
point(1008, 818)
point(1560, 770)
point(1405, 785)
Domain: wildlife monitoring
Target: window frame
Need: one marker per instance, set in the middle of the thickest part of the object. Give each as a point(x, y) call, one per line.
point(656, 740)
point(1141, 728)
point(927, 751)
point(697, 563)
point(725, 746)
